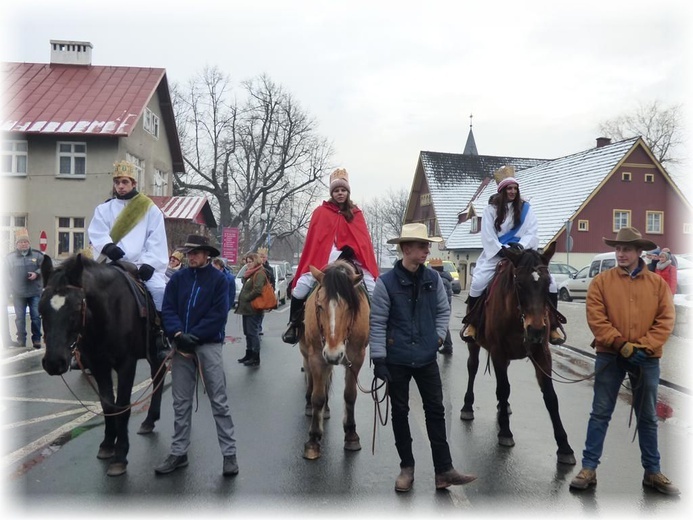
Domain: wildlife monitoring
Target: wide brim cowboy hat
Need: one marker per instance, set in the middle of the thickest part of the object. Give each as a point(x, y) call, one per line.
point(198, 242)
point(414, 233)
point(632, 237)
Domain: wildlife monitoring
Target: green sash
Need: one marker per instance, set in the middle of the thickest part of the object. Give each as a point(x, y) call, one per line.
point(130, 216)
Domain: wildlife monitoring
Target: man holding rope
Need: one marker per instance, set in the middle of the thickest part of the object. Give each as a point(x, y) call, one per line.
point(630, 311)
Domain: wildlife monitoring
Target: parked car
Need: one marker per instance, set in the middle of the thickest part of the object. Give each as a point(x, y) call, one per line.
point(576, 286)
point(279, 282)
point(684, 274)
point(561, 272)
point(449, 267)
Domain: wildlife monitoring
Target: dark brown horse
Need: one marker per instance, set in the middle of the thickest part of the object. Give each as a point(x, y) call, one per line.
point(516, 326)
point(335, 332)
point(88, 308)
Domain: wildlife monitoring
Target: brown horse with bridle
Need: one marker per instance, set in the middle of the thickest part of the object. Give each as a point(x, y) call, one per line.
point(516, 326)
point(336, 327)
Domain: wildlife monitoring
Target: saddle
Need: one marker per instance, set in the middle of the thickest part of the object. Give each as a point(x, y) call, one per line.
point(145, 303)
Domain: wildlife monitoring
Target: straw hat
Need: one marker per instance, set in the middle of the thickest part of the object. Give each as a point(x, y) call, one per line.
point(504, 176)
point(630, 236)
point(177, 255)
point(414, 233)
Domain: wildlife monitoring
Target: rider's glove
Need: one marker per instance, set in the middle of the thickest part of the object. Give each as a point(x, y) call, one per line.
point(113, 252)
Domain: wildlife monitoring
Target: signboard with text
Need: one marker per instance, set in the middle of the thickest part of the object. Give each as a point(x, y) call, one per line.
point(229, 245)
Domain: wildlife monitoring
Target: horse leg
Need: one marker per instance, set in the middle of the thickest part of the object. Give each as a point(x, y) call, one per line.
point(505, 436)
point(158, 374)
point(564, 453)
point(467, 412)
point(309, 388)
point(311, 449)
point(351, 438)
point(104, 383)
point(126, 379)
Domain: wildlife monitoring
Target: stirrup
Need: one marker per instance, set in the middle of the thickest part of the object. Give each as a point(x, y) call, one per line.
point(291, 335)
point(555, 337)
point(469, 333)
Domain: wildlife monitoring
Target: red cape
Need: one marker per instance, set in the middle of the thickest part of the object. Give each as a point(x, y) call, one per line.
point(326, 227)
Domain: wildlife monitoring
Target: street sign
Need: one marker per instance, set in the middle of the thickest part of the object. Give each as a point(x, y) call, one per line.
point(569, 244)
point(43, 241)
point(229, 245)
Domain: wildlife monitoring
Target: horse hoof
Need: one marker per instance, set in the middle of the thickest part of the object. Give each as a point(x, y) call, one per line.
point(309, 411)
point(311, 452)
point(352, 445)
point(326, 413)
point(117, 469)
point(105, 453)
point(145, 428)
point(566, 458)
point(506, 441)
point(466, 415)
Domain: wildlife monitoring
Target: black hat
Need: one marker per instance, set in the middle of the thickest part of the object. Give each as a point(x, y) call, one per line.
point(199, 242)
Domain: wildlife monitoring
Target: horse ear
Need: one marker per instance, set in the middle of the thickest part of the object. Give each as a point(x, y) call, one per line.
point(356, 279)
point(317, 273)
point(46, 269)
point(74, 274)
point(548, 252)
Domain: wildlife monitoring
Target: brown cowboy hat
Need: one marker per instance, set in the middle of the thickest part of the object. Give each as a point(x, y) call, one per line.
point(414, 233)
point(199, 242)
point(630, 236)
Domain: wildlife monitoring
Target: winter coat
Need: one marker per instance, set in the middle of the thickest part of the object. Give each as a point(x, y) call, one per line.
point(670, 276)
point(252, 288)
point(17, 269)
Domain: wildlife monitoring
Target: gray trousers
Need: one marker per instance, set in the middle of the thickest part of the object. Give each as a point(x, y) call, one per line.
point(184, 375)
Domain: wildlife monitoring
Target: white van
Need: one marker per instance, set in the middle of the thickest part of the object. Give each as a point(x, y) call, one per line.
point(576, 286)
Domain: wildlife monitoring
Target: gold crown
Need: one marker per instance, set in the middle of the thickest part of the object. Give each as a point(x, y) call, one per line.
point(339, 173)
point(504, 172)
point(435, 262)
point(262, 251)
point(124, 169)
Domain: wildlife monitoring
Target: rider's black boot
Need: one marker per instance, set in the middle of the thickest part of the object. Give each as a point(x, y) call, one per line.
point(293, 333)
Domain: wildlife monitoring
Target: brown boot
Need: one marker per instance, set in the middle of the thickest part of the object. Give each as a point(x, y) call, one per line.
point(556, 338)
point(405, 480)
point(452, 477)
point(469, 333)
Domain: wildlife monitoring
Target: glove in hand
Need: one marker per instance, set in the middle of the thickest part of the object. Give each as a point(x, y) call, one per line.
point(516, 247)
point(186, 342)
point(113, 252)
point(380, 370)
point(501, 253)
point(145, 272)
point(639, 357)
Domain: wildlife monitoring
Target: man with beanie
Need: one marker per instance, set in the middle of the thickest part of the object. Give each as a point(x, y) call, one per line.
point(337, 230)
point(23, 280)
point(195, 309)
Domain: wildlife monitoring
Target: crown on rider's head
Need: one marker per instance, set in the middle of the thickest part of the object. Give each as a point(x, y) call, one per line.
point(124, 169)
point(339, 179)
point(504, 176)
point(262, 251)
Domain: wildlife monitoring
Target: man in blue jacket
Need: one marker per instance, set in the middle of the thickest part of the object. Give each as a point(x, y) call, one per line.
point(409, 318)
point(194, 312)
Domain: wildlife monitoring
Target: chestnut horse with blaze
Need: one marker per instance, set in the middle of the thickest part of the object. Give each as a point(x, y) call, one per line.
point(517, 326)
point(336, 327)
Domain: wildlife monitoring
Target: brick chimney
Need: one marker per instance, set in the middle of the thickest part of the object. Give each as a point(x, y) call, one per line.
point(65, 52)
point(603, 141)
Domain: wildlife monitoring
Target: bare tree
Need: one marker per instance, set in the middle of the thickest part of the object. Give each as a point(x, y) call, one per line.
point(661, 127)
point(260, 159)
point(384, 216)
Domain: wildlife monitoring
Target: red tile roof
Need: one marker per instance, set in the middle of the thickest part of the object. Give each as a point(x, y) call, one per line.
point(39, 98)
point(195, 209)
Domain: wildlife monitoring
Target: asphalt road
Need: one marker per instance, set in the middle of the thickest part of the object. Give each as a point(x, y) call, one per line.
point(50, 443)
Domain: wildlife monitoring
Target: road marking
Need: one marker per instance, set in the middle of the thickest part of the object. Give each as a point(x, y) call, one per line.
point(22, 356)
point(45, 400)
point(24, 374)
point(36, 420)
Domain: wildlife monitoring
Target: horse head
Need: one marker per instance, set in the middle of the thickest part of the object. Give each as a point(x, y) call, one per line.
point(63, 312)
point(337, 303)
point(531, 281)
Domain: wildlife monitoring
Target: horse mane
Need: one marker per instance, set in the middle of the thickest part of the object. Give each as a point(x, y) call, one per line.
point(338, 283)
point(529, 258)
point(64, 274)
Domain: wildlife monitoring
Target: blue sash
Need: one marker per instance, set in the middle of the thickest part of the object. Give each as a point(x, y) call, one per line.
point(510, 235)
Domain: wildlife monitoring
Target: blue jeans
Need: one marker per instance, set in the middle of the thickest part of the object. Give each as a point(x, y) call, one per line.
point(427, 379)
point(20, 305)
point(252, 324)
point(611, 370)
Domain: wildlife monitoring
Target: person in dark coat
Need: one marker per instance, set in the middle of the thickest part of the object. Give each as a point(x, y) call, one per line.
point(437, 265)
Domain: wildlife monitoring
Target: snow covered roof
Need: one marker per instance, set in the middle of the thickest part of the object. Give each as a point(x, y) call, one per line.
point(556, 189)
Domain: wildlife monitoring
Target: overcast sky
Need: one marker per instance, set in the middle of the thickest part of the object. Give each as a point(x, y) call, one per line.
point(386, 80)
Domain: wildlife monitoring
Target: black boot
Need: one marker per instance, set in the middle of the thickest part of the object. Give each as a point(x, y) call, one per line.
point(254, 360)
point(468, 333)
point(293, 333)
point(555, 336)
point(248, 355)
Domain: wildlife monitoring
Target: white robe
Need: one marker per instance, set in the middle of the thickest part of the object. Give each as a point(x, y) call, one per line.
point(144, 244)
point(486, 264)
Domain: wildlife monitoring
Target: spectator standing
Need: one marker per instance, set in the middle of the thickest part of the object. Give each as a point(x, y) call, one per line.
point(23, 279)
point(254, 279)
point(437, 265)
point(195, 310)
point(409, 316)
point(667, 270)
point(220, 265)
point(175, 262)
point(652, 259)
point(630, 311)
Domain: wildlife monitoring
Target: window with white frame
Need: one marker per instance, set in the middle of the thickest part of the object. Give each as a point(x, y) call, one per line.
point(14, 158)
point(425, 199)
point(475, 225)
point(583, 225)
point(655, 222)
point(72, 159)
point(621, 218)
point(431, 227)
point(626, 176)
point(151, 122)
point(70, 233)
point(687, 228)
point(8, 225)
point(159, 185)
point(139, 169)
point(649, 178)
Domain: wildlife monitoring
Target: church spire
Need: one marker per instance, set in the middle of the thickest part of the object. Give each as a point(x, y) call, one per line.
point(470, 147)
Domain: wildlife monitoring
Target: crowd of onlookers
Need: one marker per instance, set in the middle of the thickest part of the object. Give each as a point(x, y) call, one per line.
point(662, 262)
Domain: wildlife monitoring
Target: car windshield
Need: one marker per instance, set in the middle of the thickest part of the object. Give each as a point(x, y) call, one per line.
point(449, 267)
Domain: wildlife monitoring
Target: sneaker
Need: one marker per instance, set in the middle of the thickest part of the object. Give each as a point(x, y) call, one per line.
point(230, 466)
point(584, 479)
point(36, 344)
point(405, 479)
point(172, 463)
point(659, 482)
point(445, 350)
point(452, 477)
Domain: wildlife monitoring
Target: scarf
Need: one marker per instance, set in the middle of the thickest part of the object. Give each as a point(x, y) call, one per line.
point(130, 216)
point(252, 271)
